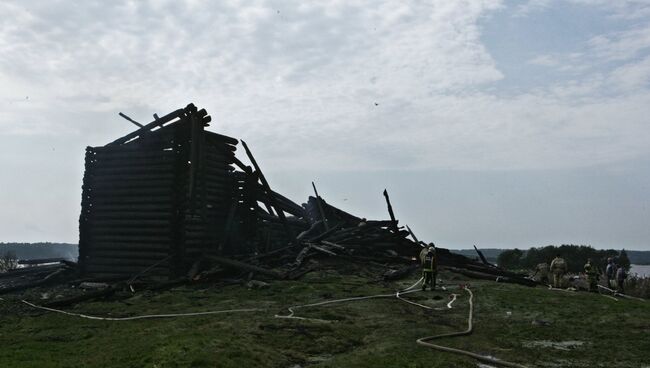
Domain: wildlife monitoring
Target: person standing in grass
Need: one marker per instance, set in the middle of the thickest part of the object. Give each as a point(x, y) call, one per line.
point(592, 275)
point(542, 270)
point(610, 270)
point(621, 275)
point(429, 268)
point(558, 268)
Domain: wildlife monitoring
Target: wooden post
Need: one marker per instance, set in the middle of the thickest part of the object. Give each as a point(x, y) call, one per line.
point(390, 211)
point(131, 120)
point(266, 186)
point(320, 207)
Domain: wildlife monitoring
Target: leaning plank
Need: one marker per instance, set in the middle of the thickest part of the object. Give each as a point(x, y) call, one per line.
point(245, 266)
point(97, 294)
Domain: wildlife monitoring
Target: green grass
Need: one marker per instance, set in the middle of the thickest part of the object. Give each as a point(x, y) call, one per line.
point(370, 333)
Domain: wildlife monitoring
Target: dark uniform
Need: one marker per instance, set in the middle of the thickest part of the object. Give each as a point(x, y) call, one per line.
point(610, 272)
point(429, 269)
point(621, 275)
point(592, 276)
point(558, 268)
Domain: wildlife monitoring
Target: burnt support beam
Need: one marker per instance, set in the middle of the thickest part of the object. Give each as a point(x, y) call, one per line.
point(320, 207)
point(390, 211)
point(272, 198)
point(131, 120)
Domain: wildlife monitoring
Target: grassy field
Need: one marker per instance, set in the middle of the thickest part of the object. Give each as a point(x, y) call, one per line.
point(535, 327)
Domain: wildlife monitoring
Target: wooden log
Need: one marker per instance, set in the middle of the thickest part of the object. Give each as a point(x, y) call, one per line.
point(45, 280)
point(40, 261)
point(135, 164)
point(127, 262)
point(130, 184)
point(110, 238)
point(92, 295)
point(131, 177)
point(29, 271)
point(390, 211)
point(147, 128)
point(266, 186)
point(98, 215)
point(219, 139)
point(129, 253)
point(129, 247)
point(125, 270)
point(136, 156)
point(131, 208)
point(155, 200)
point(129, 223)
point(326, 234)
point(486, 276)
point(244, 266)
point(320, 208)
point(131, 170)
point(127, 232)
point(129, 192)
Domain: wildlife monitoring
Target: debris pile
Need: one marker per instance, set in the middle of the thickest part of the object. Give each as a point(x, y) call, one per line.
point(171, 202)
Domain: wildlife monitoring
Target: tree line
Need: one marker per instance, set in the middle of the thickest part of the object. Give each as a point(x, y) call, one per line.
point(575, 255)
point(40, 250)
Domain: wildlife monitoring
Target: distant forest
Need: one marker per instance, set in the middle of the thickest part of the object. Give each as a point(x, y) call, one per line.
point(40, 250)
point(70, 251)
point(639, 257)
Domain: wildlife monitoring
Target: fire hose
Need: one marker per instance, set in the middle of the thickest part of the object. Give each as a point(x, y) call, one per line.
point(423, 341)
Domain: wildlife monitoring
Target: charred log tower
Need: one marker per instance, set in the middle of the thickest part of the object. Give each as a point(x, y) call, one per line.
point(162, 196)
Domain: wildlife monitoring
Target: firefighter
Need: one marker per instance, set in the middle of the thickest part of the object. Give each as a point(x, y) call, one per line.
point(592, 275)
point(610, 271)
point(542, 271)
point(429, 268)
point(621, 275)
point(558, 268)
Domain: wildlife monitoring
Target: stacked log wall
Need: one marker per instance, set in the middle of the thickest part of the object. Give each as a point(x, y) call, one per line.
point(127, 220)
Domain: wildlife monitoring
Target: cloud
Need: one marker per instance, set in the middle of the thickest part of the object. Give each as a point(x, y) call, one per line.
point(622, 45)
point(347, 85)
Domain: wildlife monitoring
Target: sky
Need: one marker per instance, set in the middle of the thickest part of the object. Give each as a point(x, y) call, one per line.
point(495, 123)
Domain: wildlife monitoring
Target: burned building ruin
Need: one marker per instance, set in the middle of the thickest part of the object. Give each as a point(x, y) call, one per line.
point(171, 195)
point(170, 192)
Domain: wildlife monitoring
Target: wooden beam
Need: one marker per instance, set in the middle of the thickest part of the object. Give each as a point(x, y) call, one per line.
point(131, 120)
point(390, 211)
point(272, 198)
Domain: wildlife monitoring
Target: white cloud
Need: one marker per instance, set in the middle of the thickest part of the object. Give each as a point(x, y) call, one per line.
point(334, 85)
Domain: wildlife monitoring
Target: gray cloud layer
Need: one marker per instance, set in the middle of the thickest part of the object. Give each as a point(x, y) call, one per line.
point(341, 85)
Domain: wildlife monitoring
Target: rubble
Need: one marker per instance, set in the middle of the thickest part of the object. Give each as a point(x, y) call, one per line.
point(171, 203)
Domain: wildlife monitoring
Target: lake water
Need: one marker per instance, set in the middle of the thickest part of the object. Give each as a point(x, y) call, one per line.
point(642, 270)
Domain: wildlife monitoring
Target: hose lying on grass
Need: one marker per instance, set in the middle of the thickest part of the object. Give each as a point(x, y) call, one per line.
point(169, 315)
point(292, 308)
point(424, 341)
point(421, 341)
point(616, 293)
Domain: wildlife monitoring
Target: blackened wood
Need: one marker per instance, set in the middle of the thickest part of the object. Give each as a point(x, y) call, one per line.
point(412, 234)
point(156, 123)
point(219, 138)
point(244, 266)
point(40, 261)
point(140, 176)
point(227, 236)
point(92, 295)
point(131, 208)
point(110, 238)
point(131, 120)
point(483, 259)
point(320, 207)
point(390, 211)
point(265, 183)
